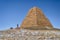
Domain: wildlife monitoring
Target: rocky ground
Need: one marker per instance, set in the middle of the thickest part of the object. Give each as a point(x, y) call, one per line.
point(24, 34)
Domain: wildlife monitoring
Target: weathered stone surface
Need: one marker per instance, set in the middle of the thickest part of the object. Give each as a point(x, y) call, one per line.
point(35, 19)
point(24, 34)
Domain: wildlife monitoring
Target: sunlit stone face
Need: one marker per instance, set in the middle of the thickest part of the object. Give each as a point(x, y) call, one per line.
point(35, 19)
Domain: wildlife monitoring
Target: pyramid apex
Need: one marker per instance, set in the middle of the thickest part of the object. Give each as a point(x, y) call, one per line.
point(35, 7)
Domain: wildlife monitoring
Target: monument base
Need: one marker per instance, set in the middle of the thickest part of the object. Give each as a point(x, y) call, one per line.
point(25, 34)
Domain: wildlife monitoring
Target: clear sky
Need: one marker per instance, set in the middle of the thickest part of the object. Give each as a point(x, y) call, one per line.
point(12, 12)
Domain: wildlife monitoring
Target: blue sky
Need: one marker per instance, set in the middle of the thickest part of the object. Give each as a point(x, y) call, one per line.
point(12, 12)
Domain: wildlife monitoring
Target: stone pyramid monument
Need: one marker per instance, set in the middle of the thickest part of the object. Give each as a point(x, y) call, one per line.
point(34, 27)
point(35, 19)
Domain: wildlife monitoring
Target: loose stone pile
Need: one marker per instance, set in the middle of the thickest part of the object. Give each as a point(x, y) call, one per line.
point(24, 34)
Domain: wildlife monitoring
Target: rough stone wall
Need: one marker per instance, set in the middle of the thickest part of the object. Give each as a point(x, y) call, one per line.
point(24, 34)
